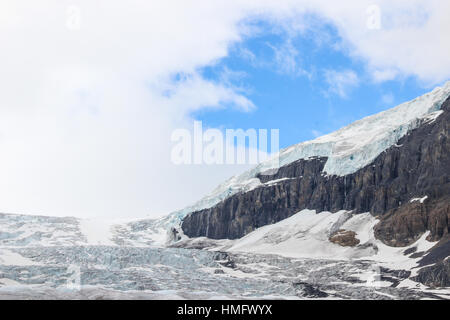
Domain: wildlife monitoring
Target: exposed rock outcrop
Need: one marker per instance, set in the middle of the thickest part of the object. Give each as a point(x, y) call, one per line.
point(404, 225)
point(437, 275)
point(344, 238)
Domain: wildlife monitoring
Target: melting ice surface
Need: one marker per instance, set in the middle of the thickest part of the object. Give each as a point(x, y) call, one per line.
point(62, 258)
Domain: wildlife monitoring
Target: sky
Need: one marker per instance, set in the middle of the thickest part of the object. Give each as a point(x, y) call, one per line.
point(91, 91)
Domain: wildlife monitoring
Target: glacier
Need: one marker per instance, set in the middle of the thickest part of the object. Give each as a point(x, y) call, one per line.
point(288, 260)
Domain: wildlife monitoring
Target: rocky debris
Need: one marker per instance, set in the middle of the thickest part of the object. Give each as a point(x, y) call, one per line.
point(438, 253)
point(393, 276)
point(367, 245)
point(400, 274)
point(228, 264)
point(437, 275)
point(344, 238)
point(219, 255)
point(416, 255)
point(308, 290)
point(409, 251)
point(195, 243)
point(174, 235)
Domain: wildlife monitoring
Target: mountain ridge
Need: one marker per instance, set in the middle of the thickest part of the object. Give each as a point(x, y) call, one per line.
point(392, 125)
point(304, 184)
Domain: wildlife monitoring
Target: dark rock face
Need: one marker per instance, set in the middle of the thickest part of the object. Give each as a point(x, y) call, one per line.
point(308, 290)
point(438, 253)
point(403, 225)
point(437, 275)
point(436, 265)
point(417, 166)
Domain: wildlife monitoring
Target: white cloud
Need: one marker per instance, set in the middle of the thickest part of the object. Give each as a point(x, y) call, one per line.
point(387, 99)
point(86, 113)
point(286, 58)
point(248, 55)
point(341, 82)
point(316, 133)
point(410, 42)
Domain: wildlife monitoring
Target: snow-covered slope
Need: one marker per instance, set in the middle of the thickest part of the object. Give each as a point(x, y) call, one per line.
point(26, 230)
point(306, 234)
point(18, 230)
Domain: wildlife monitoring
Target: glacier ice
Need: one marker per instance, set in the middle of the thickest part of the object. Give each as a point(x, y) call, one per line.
point(272, 262)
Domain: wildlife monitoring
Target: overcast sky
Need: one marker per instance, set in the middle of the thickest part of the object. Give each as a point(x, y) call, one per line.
point(90, 91)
